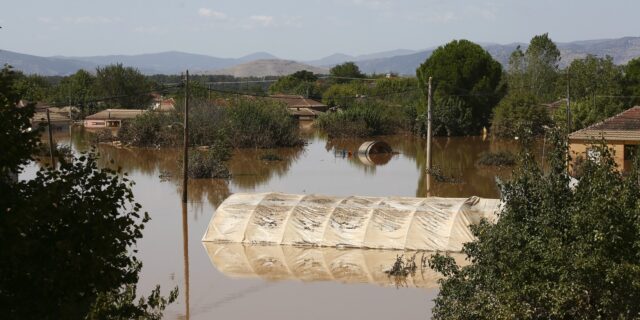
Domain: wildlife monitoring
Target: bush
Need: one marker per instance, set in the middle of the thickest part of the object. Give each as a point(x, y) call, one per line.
point(554, 252)
point(209, 163)
point(498, 159)
point(363, 119)
point(261, 124)
point(152, 129)
point(519, 114)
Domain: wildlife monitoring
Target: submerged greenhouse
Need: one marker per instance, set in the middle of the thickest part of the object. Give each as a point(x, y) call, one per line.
point(404, 223)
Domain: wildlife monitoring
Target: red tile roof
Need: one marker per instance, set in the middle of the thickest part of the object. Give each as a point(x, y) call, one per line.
point(623, 126)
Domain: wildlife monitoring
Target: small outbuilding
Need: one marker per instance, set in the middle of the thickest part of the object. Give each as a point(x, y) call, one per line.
point(111, 118)
point(621, 132)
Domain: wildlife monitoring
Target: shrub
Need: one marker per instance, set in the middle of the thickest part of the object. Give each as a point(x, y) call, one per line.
point(519, 114)
point(261, 124)
point(207, 164)
point(366, 118)
point(498, 159)
point(554, 252)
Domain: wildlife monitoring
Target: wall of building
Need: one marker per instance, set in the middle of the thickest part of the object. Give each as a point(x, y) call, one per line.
point(579, 149)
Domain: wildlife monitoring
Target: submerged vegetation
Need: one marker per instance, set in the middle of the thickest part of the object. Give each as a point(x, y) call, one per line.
point(497, 159)
point(364, 119)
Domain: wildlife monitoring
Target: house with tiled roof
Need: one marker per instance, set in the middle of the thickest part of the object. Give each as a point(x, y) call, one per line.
point(621, 132)
point(301, 107)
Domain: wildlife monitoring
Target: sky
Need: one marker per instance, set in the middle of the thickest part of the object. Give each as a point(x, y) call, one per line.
point(298, 29)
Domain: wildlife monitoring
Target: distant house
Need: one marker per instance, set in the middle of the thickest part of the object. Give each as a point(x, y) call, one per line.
point(621, 132)
point(301, 107)
point(111, 118)
point(552, 107)
point(165, 105)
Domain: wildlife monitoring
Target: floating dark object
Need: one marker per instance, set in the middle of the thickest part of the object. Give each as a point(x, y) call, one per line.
point(374, 147)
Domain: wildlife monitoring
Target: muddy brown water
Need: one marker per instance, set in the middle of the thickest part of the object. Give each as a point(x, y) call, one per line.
point(173, 254)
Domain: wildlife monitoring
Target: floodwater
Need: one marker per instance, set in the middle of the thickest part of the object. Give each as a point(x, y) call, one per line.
point(236, 282)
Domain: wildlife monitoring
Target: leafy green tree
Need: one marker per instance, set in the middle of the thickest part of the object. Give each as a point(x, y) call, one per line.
point(632, 80)
point(76, 88)
point(554, 252)
point(300, 83)
point(128, 87)
point(541, 61)
point(67, 236)
point(519, 114)
point(594, 83)
point(466, 86)
point(346, 70)
point(33, 87)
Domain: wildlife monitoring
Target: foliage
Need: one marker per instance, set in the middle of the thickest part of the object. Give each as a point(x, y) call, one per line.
point(346, 70)
point(300, 83)
point(127, 85)
point(554, 252)
point(593, 84)
point(209, 163)
point(466, 86)
point(261, 124)
point(632, 80)
point(152, 129)
point(541, 62)
point(498, 159)
point(32, 87)
point(67, 235)
point(76, 88)
point(363, 119)
point(519, 114)
point(15, 126)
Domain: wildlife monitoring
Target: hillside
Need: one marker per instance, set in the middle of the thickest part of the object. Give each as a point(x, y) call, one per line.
point(621, 50)
point(41, 65)
point(268, 67)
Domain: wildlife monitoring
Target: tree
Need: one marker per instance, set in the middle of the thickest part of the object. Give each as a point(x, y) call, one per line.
point(554, 252)
point(128, 87)
point(465, 78)
point(346, 70)
point(76, 88)
point(519, 114)
point(300, 83)
point(67, 236)
point(542, 59)
point(632, 80)
point(594, 83)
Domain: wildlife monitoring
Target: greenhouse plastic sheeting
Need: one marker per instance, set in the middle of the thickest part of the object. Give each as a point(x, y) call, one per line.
point(363, 222)
point(312, 264)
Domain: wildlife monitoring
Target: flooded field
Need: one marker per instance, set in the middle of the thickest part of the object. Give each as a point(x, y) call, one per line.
point(236, 282)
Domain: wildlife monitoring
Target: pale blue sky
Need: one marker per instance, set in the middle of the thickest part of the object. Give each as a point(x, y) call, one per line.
point(302, 29)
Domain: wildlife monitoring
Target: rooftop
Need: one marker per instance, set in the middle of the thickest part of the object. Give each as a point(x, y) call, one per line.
point(116, 114)
point(295, 101)
point(623, 126)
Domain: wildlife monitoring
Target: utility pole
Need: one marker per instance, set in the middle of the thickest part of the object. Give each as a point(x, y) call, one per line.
point(185, 158)
point(429, 137)
point(53, 164)
point(568, 103)
point(429, 127)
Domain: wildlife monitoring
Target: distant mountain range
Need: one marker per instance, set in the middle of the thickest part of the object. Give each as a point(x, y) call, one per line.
point(259, 64)
point(268, 67)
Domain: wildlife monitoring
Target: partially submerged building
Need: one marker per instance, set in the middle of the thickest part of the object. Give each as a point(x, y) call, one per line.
point(111, 118)
point(300, 107)
point(621, 133)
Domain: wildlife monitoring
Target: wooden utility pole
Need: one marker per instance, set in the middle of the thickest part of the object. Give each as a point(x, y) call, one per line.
point(185, 251)
point(53, 164)
point(185, 158)
point(429, 127)
point(429, 138)
point(568, 103)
